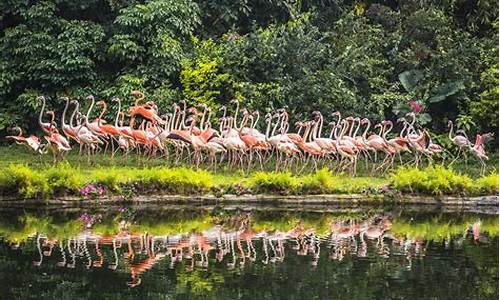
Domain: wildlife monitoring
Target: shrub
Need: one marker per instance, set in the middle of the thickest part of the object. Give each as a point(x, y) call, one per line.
point(111, 178)
point(487, 185)
point(64, 178)
point(273, 182)
point(317, 183)
point(435, 180)
point(176, 180)
point(21, 180)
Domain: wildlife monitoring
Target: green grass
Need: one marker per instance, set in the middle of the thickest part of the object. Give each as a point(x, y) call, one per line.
point(26, 176)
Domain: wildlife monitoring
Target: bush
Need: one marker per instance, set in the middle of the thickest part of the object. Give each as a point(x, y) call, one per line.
point(435, 180)
point(111, 178)
point(64, 178)
point(487, 185)
point(273, 182)
point(176, 180)
point(317, 183)
point(21, 180)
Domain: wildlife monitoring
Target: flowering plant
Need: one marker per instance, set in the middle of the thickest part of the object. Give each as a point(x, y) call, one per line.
point(415, 106)
point(93, 191)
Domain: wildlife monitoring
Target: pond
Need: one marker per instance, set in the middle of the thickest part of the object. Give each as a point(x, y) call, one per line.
point(247, 253)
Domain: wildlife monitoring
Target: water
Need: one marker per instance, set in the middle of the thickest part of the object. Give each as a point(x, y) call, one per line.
point(251, 253)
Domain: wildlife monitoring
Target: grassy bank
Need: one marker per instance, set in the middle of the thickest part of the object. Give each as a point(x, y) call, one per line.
point(27, 182)
point(25, 175)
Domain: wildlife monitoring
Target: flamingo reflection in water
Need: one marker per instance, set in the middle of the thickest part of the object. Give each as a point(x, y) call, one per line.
point(234, 246)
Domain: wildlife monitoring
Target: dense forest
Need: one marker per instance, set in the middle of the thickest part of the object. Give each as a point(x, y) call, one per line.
point(379, 59)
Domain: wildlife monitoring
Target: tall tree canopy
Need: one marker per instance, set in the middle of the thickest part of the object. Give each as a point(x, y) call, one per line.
point(371, 58)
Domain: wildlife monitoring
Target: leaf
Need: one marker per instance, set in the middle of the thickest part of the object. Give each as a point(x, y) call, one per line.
point(409, 79)
point(424, 118)
point(441, 92)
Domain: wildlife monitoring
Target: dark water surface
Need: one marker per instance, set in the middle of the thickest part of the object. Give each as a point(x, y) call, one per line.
point(158, 253)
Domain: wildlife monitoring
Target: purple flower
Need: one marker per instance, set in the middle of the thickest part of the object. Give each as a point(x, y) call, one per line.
point(93, 190)
point(416, 107)
point(120, 198)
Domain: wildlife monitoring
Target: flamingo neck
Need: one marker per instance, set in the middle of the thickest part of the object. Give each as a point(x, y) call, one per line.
point(99, 120)
point(71, 123)
point(183, 124)
point(132, 122)
point(244, 121)
point(41, 111)
point(403, 130)
point(90, 109)
point(357, 128)
point(139, 99)
point(276, 125)
point(193, 122)
point(268, 128)
point(236, 113)
point(63, 120)
point(256, 120)
point(208, 124)
point(118, 111)
point(368, 124)
point(451, 131)
point(320, 130)
point(307, 130)
point(386, 131)
point(332, 130)
point(202, 122)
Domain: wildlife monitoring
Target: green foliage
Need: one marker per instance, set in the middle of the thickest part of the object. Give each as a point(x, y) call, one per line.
point(487, 185)
point(175, 180)
point(435, 180)
point(360, 58)
point(274, 183)
point(64, 178)
point(68, 179)
point(317, 183)
point(24, 181)
point(111, 178)
point(202, 79)
point(485, 110)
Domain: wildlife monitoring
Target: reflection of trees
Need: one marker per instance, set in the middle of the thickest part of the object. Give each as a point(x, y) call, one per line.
point(198, 283)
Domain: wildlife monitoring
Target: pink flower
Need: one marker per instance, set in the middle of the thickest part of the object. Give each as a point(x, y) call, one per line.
point(416, 106)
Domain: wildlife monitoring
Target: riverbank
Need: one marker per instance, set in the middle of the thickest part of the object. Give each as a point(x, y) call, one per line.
point(78, 181)
point(65, 182)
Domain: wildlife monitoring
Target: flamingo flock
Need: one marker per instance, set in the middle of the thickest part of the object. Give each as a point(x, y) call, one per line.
point(187, 134)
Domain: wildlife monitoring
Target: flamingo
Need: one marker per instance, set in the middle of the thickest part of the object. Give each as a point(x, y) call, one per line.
point(326, 144)
point(347, 151)
point(252, 143)
point(460, 141)
point(57, 143)
point(478, 149)
point(67, 129)
point(46, 127)
point(111, 131)
point(32, 142)
point(148, 111)
point(94, 125)
point(397, 144)
point(85, 137)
